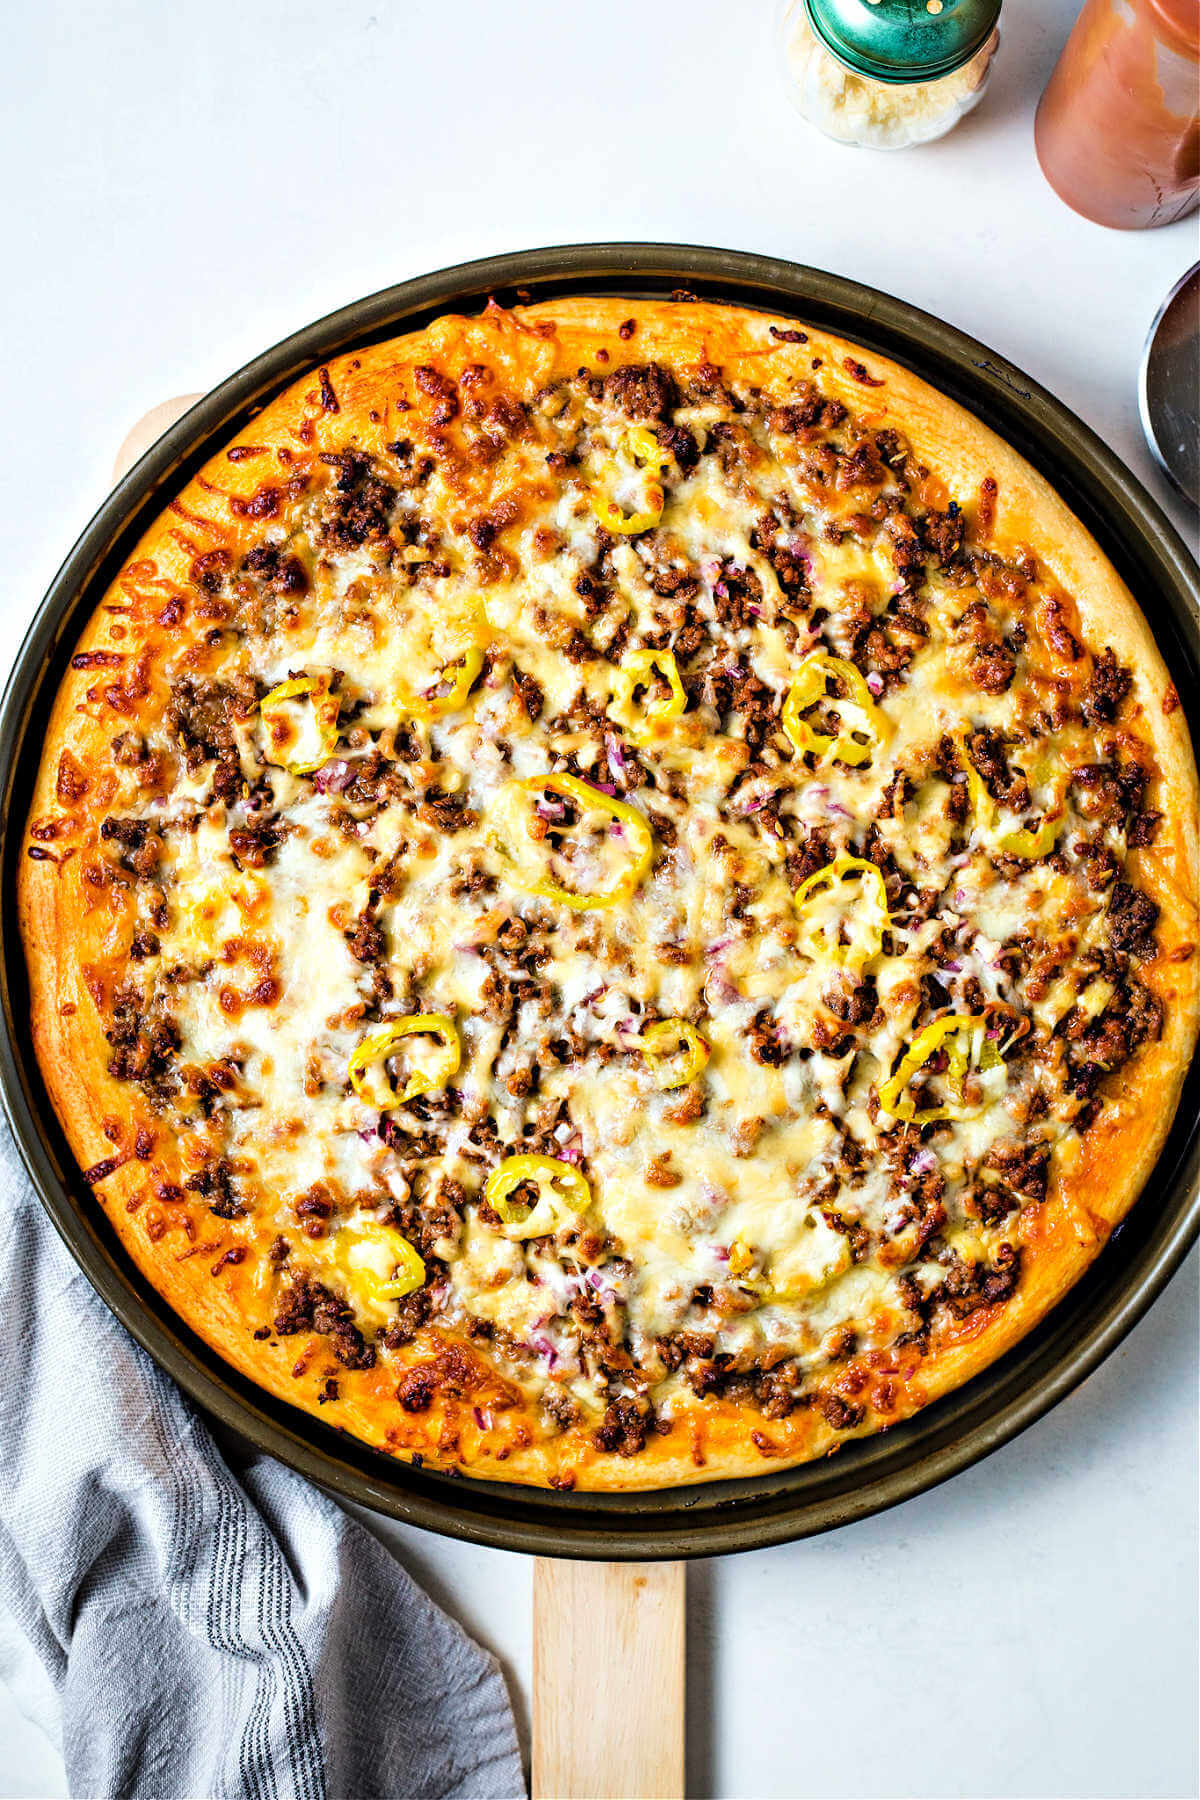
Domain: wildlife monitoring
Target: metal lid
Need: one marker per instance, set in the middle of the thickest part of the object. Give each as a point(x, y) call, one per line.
point(903, 41)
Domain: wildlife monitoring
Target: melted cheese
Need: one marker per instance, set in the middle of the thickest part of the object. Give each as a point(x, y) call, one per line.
point(261, 975)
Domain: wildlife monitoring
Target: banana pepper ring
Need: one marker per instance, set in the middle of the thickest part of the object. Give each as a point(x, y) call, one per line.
point(1031, 845)
point(460, 672)
point(638, 449)
point(281, 731)
point(638, 670)
point(674, 1051)
point(1035, 844)
point(858, 712)
point(562, 1191)
point(627, 818)
point(869, 919)
point(983, 807)
point(964, 1039)
point(408, 1269)
point(368, 1070)
point(746, 1267)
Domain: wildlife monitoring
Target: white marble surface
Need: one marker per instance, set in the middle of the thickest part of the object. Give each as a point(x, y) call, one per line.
point(186, 185)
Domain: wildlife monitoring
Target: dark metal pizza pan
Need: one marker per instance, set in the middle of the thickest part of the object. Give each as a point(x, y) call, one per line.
point(716, 1517)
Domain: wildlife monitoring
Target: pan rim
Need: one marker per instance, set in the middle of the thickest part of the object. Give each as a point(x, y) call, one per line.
point(717, 1518)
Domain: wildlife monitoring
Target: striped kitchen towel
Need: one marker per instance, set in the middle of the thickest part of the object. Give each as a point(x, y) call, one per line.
point(180, 1632)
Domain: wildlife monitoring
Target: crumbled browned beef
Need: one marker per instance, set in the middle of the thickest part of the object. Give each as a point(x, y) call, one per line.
point(201, 714)
point(560, 1409)
point(308, 1305)
point(255, 843)
point(1023, 1167)
point(993, 667)
point(1106, 687)
point(737, 597)
point(214, 1182)
point(1132, 1016)
point(968, 1286)
point(642, 391)
point(622, 1431)
point(279, 572)
point(145, 1042)
point(1132, 916)
point(359, 509)
point(767, 1043)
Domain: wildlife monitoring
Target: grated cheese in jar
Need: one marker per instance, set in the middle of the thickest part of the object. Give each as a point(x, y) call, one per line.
point(879, 115)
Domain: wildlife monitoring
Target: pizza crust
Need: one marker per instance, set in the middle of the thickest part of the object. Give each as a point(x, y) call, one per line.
point(101, 1116)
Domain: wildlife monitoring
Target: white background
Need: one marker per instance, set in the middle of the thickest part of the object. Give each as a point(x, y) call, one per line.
point(186, 184)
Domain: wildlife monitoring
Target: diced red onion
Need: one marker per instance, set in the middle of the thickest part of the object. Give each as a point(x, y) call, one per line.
point(334, 777)
point(875, 683)
point(618, 761)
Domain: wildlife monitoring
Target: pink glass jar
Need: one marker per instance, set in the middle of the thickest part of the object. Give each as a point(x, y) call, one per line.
point(1118, 127)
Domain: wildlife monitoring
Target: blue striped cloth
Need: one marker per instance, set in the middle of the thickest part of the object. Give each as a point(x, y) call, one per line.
point(180, 1632)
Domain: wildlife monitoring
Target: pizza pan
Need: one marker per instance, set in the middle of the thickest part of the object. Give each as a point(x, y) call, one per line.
point(713, 1518)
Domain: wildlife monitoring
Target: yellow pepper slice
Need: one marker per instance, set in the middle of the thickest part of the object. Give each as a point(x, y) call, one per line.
point(359, 1251)
point(868, 920)
point(675, 1051)
point(741, 1258)
point(562, 1190)
point(436, 706)
point(962, 1036)
point(640, 446)
point(282, 732)
point(752, 1272)
point(368, 1063)
point(638, 670)
point(638, 449)
point(626, 818)
point(1028, 844)
point(1031, 844)
point(614, 518)
point(983, 807)
point(857, 711)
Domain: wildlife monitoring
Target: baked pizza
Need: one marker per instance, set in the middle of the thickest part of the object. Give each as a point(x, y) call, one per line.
point(611, 896)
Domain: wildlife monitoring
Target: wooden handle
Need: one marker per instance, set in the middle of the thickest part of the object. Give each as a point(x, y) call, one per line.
point(148, 429)
point(608, 1690)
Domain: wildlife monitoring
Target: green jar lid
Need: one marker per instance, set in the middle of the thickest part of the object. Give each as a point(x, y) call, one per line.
point(903, 41)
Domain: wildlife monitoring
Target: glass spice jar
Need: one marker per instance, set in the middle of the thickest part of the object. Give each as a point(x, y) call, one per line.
point(887, 74)
point(1118, 127)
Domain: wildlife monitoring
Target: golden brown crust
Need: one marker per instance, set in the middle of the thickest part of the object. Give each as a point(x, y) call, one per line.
point(1007, 503)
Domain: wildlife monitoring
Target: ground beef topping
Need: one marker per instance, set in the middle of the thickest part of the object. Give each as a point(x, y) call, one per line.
point(572, 985)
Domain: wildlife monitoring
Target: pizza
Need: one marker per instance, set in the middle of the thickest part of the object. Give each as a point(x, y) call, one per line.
point(611, 896)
